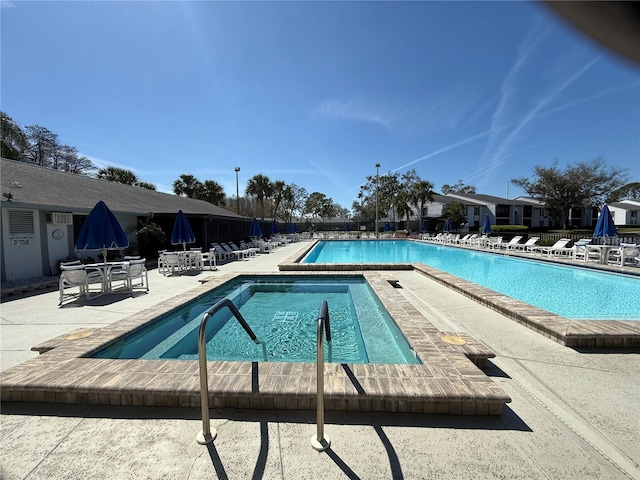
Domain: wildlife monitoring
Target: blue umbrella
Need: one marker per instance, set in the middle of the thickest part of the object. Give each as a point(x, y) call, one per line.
point(255, 230)
point(274, 227)
point(182, 233)
point(605, 226)
point(101, 230)
point(289, 229)
point(295, 228)
point(346, 226)
point(486, 225)
point(448, 226)
point(423, 227)
point(387, 227)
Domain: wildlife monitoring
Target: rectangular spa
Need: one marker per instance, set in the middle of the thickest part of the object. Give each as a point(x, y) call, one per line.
point(282, 311)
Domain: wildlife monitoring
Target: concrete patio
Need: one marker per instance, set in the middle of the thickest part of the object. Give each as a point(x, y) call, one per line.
point(573, 412)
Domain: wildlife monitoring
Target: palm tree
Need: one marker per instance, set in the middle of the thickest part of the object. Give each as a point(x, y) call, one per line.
point(14, 140)
point(279, 188)
point(261, 187)
point(421, 193)
point(212, 192)
point(119, 175)
point(187, 186)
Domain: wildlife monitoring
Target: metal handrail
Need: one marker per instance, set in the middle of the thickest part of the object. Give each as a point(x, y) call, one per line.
point(207, 436)
point(319, 441)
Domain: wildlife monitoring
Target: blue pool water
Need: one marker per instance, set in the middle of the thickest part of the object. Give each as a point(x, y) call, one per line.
point(574, 293)
point(282, 311)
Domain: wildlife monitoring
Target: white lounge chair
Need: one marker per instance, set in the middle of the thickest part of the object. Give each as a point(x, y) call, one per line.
point(221, 253)
point(239, 254)
point(560, 244)
point(514, 241)
point(526, 246)
point(72, 276)
point(243, 246)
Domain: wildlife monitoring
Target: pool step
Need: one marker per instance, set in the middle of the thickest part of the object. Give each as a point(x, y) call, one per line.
point(474, 349)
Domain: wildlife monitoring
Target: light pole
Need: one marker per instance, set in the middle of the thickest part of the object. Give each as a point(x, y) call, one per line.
point(360, 196)
point(237, 193)
point(377, 181)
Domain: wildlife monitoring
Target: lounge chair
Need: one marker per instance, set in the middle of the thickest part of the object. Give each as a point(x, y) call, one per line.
point(239, 254)
point(562, 243)
point(571, 251)
point(514, 241)
point(72, 276)
point(243, 246)
point(221, 253)
point(463, 239)
point(248, 252)
point(526, 246)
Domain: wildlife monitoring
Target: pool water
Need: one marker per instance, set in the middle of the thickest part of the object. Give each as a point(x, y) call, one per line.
point(572, 292)
point(282, 311)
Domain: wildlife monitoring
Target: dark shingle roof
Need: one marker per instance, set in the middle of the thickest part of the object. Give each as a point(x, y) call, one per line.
point(59, 191)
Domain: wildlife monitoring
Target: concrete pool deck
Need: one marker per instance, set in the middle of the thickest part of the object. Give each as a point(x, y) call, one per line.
point(573, 413)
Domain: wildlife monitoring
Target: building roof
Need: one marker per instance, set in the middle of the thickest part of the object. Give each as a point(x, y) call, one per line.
point(486, 199)
point(45, 188)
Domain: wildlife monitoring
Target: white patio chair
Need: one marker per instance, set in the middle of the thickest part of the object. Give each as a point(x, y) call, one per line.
point(72, 276)
point(626, 253)
point(135, 269)
point(210, 258)
point(526, 246)
point(505, 245)
point(171, 262)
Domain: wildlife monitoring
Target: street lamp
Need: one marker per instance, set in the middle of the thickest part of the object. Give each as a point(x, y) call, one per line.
point(377, 181)
point(237, 193)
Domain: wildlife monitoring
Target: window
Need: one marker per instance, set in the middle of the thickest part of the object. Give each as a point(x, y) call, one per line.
point(20, 222)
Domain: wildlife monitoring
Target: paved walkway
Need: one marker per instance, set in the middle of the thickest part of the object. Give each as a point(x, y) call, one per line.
point(573, 415)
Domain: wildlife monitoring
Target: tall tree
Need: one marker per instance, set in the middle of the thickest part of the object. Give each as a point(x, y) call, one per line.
point(421, 193)
point(260, 187)
point(212, 192)
point(14, 140)
point(187, 186)
point(278, 192)
point(578, 185)
point(294, 200)
point(629, 191)
point(119, 175)
point(42, 143)
point(457, 187)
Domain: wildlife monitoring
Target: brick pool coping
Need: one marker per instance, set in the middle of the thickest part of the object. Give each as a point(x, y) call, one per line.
point(570, 333)
point(447, 382)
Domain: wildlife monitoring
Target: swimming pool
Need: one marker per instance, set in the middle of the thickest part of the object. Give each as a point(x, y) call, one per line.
point(283, 312)
point(571, 292)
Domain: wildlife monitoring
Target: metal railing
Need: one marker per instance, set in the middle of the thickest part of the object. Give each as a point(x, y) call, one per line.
point(207, 436)
point(319, 441)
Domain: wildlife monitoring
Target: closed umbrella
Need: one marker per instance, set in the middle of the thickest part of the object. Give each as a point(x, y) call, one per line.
point(274, 227)
point(346, 226)
point(182, 232)
point(101, 230)
point(289, 228)
point(605, 226)
point(486, 225)
point(255, 230)
point(295, 228)
point(448, 226)
point(387, 227)
point(423, 227)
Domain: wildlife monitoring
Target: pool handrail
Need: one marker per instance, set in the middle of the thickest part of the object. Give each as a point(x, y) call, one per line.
point(319, 441)
point(207, 436)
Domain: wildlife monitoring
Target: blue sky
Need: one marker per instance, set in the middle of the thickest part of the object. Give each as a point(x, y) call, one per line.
point(315, 93)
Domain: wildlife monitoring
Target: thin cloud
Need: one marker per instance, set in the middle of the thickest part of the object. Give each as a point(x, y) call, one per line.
point(353, 109)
